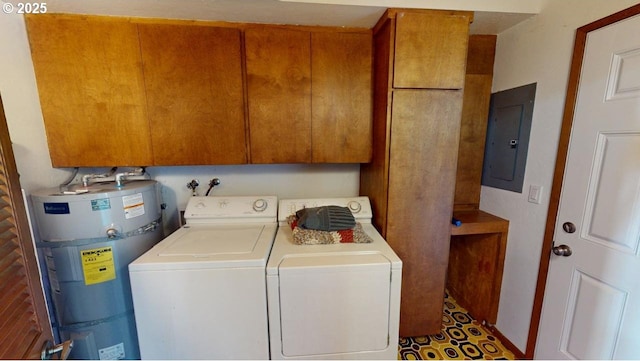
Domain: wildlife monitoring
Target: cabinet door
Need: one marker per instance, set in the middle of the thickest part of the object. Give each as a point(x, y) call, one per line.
point(278, 65)
point(341, 97)
point(193, 77)
point(91, 90)
point(425, 130)
point(430, 50)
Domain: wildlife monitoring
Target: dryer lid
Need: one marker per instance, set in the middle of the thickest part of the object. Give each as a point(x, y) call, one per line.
point(301, 264)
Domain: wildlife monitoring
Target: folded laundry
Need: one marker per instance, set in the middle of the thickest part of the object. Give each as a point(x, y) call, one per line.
point(312, 236)
point(326, 218)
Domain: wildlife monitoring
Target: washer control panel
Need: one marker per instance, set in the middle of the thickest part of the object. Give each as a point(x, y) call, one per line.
point(202, 208)
point(360, 207)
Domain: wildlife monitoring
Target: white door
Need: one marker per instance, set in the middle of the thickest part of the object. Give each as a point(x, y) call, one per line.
point(591, 305)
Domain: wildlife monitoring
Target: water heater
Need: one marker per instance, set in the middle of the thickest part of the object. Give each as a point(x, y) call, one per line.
point(89, 235)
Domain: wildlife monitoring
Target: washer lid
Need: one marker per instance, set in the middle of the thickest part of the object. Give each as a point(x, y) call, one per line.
point(213, 241)
point(210, 246)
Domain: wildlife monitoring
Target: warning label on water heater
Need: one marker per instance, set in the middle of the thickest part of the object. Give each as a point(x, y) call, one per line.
point(115, 352)
point(133, 205)
point(98, 265)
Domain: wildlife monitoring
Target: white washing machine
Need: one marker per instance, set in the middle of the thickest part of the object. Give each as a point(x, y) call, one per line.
point(200, 293)
point(333, 301)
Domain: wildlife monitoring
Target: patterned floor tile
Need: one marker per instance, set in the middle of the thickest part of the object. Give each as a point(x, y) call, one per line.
point(461, 338)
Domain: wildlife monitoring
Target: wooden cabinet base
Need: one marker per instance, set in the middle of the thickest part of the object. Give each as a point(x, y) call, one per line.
point(476, 260)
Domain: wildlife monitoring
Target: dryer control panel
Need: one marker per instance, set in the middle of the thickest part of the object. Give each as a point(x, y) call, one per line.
point(360, 207)
point(202, 209)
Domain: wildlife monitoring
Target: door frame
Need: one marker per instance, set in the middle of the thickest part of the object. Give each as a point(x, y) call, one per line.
point(561, 160)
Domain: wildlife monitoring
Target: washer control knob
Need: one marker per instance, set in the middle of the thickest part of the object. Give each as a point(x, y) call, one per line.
point(200, 205)
point(354, 206)
point(259, 205)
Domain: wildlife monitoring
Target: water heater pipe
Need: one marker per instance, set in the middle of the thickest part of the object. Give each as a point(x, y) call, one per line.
point(120, 177)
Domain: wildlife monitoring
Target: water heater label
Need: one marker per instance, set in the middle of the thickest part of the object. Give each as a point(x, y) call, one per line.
point(100, 204)
point(56, 208)
point(133, 205)
point(115, 352)
point(98, 265)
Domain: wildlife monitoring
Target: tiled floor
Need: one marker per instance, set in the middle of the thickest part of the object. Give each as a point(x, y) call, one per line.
point(462, 337)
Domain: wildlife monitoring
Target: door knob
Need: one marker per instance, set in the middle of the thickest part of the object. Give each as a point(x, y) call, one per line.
point(562, 250)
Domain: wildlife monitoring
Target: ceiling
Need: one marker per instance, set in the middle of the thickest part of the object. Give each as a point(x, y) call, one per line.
point(298, 12)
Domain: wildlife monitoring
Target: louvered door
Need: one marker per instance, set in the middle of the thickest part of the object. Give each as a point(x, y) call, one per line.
point(24, 324)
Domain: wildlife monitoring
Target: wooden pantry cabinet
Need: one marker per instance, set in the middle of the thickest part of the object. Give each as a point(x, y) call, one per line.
point(91, 89)
point(411, 177)
point(125, 91)
point(309, 95)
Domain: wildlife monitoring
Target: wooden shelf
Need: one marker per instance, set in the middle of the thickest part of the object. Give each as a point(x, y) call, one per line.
point(476, 261)
point(478, 222)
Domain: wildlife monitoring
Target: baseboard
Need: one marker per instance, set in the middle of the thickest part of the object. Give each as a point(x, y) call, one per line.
point(507, 343)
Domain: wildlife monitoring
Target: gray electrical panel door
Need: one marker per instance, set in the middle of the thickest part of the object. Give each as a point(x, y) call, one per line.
point(508, 129)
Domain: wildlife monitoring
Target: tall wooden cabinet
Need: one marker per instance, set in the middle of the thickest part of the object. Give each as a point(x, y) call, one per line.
point(419, 65)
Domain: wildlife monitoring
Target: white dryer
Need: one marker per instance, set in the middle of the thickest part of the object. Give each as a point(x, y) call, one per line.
point(200, 293)
point(333, 301)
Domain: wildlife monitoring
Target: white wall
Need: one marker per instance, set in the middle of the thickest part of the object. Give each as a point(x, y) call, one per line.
point(538, 51)
point(22, 106)
point(26, 128)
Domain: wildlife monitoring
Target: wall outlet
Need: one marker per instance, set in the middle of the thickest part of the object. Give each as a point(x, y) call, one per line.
point(535, 193)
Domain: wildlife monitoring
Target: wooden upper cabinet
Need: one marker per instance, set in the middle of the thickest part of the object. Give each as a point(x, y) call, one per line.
point(278, 66)
point(430, 50)
point(127, 92)
point(341, 97)
point(91, 90)
point(193, 80)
